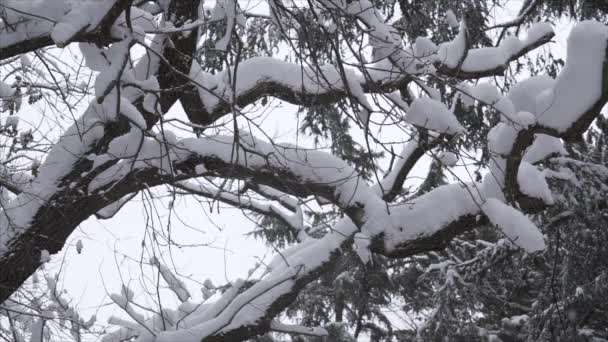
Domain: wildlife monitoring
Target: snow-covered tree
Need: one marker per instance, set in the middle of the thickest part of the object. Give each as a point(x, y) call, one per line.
point(383, 89)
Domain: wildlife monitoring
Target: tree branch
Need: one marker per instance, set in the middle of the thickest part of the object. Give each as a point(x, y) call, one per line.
point(31, 32)
point(47, 211)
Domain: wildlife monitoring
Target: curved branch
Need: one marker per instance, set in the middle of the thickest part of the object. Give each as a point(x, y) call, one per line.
point(242, 202)
point(259, 77)
point(392, 183)
point(577, 98)
point(57, 200)
point(470, 66)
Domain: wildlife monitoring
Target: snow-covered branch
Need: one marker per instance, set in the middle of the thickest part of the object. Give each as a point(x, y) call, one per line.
point(563, 109)
point(27, 26)
point(13, 181)
point(412, 151)
point(258, 77)
point(211, 191)
point(297, 329)
point(109, 211)
point(488, 61)
point(52, 205)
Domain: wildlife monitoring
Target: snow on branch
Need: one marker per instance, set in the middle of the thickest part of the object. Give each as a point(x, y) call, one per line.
point(450, 58)
point(260, 76)
point(433, 115)
point(295, 267)
point(124, 300)
point(257, 77)
point(297, 329)
point(29, 25)
point(539, 111)
point(69, 151)
point(516, 226)
point(286, 200)
point(243, 201)
point(291, 170)
point(565, 109)
point(14, 182)
point(109, 211)
point(390, 186)
point(176, 285)
point(489, 61)
point(581, 89)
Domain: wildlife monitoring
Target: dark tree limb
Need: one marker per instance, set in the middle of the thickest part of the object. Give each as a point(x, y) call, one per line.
point(56, 219)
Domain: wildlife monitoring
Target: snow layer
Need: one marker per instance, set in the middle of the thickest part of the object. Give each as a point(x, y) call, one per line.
point(451, 53)
point(516, 226)
point(448, 158)
point(6, 91)
point(389, 180)
point(70, 25)
point(434, 115)
point(489, 58)
point(484, 92)
point(579, 85)
point(488, 94)
point(542, 147)
point(217, 88)
point(430, 212)
point(175, 284)
point(59, 19)
point(450, 19)
point(424, 47)
point(523, 94)
point(361, 247)
point(532, 182)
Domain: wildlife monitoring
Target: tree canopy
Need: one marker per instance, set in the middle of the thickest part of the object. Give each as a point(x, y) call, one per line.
point(503, 239)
